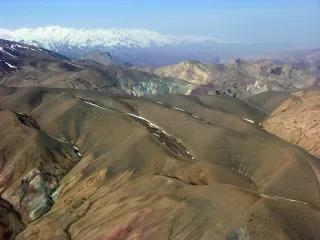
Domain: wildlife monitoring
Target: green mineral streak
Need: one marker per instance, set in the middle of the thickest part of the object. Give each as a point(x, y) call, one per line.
point(39, 206)
point(238, 234)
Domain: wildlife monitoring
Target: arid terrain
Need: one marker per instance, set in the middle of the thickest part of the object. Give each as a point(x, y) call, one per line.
point(298, 120)
point(28, 66)
point(85, 165)
point(94, 150)
point(159, 120)
point(243, 78)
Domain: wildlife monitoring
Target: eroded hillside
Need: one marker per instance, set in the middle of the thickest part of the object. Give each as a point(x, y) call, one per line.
point(241, 78)
point(85, 165)
point(298, 120)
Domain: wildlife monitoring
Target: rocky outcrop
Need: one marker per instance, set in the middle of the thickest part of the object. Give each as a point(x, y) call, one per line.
point(28, 121)
point(192, 71)
point(242, 78)
point(35, 194)
point(31, 164)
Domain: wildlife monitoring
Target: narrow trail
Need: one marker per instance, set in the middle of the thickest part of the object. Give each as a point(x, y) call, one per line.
point(247, 190)
point(277, 198)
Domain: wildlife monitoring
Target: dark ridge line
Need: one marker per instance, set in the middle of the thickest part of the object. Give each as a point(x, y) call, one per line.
point(27, 120)
point(169, 141)
point(173, 144)
point(5, 209)
point(135, 111)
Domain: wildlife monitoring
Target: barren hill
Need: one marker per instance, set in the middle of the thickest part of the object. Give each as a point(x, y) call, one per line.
point(86, 165)
point(298, 120)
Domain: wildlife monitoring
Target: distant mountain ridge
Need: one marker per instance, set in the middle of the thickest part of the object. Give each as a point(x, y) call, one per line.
point(243, 78)
point(55, 37)
point(23, 65)
point(140, 47)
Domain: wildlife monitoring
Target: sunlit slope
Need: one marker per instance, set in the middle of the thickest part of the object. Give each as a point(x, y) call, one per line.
point(171, 167)
point(298, 120)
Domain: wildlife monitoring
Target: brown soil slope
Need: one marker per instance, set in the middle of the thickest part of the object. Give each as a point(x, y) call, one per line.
point(298, 120)
point(84, 165)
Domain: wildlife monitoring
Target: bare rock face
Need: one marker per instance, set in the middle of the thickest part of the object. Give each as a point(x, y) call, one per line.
point(31, 164)
point(241, 78)
point(103, 167)
point(191, 71)
point(297, 120)
point(36, 191)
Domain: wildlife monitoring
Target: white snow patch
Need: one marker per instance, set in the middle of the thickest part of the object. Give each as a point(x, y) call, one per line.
point(53, 37)
point(2, 50)
point(179, 109)
point(95, 105)
point(282, 198)
point(10, 66)
point(249, 120)
point(150, 124)
point(19, 46)
point(75, 148)
point(77, 151)
point(58, 139)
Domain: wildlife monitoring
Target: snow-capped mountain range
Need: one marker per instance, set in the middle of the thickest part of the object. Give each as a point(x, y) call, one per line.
point(138, 47)
point(55, 37)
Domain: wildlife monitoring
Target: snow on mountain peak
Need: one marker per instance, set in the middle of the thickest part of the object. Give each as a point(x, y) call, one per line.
point(53, 37)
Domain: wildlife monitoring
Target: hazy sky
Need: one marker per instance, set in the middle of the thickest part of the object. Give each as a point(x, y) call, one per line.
point(292, 21)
